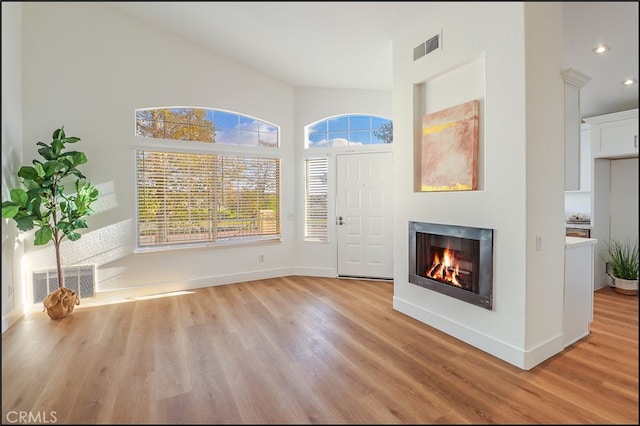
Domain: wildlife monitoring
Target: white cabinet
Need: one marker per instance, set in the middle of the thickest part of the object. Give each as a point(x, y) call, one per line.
point(586, 160)
point(614, 135)
point(578, 289)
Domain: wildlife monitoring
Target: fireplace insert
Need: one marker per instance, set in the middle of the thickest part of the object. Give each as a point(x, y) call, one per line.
point(452, 260)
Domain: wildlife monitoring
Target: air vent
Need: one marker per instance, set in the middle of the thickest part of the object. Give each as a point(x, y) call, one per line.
point(427, 47)
point(80, 279)
point(418, 51)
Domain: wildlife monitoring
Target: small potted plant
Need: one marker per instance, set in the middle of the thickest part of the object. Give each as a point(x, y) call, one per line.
point(622, 259)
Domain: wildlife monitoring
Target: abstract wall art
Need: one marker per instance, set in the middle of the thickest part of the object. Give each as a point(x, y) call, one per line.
point(449, 151)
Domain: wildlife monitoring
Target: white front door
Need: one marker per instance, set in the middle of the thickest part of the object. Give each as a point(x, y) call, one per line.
point(364, 215)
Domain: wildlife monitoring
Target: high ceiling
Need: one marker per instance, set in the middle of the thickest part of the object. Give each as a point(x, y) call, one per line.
point(348, 44)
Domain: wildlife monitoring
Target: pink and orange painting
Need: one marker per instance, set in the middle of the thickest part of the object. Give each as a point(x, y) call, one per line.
point(450, 149)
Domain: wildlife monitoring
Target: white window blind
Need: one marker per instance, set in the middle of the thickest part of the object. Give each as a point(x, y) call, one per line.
point(316, 201)
point(187, 198)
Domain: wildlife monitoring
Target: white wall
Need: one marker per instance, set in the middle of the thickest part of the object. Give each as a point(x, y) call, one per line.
point(88, 68)
point(320, 258)
point(577, 202)
point(13, 296)
point(521, 96)
point(624, 199)
point(621, 214)
point(545, 182)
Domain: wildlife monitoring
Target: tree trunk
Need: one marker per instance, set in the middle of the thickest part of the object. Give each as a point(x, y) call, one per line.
point(56, 236)
point(56, 244)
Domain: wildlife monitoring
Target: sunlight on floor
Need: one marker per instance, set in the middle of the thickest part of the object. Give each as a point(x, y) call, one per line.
point(160, 295)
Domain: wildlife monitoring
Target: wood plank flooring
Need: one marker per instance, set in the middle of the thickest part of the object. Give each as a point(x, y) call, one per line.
point(303, 350)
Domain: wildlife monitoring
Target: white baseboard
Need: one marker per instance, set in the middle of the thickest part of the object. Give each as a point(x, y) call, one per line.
point(9, 319)
point(516, 356)
point(308, 271)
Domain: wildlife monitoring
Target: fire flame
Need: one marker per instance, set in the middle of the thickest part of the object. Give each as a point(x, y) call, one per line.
point(446, 270)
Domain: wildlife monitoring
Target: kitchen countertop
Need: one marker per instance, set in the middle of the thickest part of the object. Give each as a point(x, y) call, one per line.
point(572, 242)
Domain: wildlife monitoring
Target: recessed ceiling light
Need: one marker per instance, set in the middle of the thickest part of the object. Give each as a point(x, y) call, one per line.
point(629, 82)
point(601, 49)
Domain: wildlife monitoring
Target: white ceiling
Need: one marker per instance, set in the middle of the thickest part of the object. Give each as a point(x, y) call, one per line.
point(348, 44)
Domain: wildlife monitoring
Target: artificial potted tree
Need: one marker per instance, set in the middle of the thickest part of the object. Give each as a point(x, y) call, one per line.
point(622, 258)
point(42, 203)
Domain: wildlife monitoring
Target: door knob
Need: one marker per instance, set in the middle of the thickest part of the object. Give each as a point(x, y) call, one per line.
point(340, 222)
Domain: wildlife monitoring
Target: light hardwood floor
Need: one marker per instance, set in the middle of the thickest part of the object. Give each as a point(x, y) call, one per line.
point(303, 350)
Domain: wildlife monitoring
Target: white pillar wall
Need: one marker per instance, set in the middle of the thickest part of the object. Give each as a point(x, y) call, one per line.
point(495, 53)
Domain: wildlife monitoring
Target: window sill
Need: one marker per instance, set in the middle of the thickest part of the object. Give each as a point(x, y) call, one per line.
point(220, 244)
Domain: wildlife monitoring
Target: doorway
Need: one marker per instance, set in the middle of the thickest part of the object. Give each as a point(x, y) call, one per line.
point(364, 213)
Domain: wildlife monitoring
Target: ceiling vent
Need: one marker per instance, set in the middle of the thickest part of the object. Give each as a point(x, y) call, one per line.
point(427, 47)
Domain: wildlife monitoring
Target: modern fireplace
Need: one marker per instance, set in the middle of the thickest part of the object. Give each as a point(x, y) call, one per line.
point(452, 260)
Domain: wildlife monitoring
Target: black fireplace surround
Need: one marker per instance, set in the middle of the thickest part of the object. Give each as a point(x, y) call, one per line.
point(471, 277)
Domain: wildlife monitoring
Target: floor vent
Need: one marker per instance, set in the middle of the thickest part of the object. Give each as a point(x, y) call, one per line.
point(81, 279)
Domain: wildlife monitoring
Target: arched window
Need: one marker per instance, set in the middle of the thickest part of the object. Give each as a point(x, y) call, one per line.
point(349, 130)
point(205, 196)
point(205, 125)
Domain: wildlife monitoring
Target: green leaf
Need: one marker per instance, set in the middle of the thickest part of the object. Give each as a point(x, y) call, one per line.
point(73, 236)
point(39, 192)
point(77, 173)
point(41, 221)
point(33, 205)
point(9, 211)
point(70, 140)
point(39, 169)
point(47, 153)
point(28, 172)
point(25, 223)
point(79, 158)
point(51, 167)
point(43, 235)
point(58, 133)
point(57, 146)
point(31, 184)
point(19, 196)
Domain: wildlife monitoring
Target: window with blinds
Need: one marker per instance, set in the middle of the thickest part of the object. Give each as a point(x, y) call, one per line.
point(191, 198)
point(315, 199)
